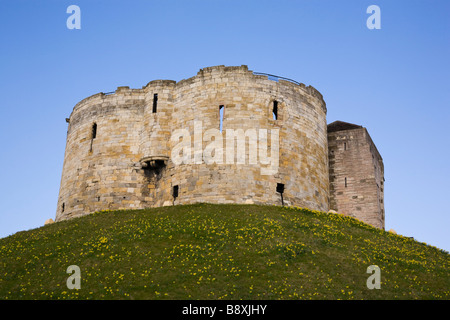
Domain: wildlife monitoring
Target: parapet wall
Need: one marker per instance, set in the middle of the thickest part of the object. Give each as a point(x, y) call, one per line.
point(119, 146)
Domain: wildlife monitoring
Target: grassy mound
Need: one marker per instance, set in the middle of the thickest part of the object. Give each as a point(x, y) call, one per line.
point(207, 251)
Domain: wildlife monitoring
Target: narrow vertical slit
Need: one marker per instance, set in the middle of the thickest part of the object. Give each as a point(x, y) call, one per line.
point(93, 134)
point(221, 109)
point(155, 102)
point(275, 110)
point(94, 131)
point(174, 193)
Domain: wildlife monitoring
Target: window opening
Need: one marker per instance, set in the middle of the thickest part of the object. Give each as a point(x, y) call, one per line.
point(275, 110)
point(221, 109)
point(280, 190)
point(94, 131)
point(93, 135)
point(155, 102)
point(174, 193)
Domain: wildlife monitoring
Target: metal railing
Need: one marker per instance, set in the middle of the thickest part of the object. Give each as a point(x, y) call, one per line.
point(276, 77)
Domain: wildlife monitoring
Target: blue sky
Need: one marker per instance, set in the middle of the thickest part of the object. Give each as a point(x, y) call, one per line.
point(394, 81)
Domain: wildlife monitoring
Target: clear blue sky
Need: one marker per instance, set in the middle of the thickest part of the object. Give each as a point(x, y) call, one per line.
point(393, 81)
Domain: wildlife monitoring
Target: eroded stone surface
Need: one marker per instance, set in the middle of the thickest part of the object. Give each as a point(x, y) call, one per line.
point(127, 162)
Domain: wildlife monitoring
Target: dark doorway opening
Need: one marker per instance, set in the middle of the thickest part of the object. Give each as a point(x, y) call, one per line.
point(280, 190)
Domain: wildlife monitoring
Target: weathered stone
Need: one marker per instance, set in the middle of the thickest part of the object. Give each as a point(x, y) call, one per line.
point(127, 160)
point(356, 173)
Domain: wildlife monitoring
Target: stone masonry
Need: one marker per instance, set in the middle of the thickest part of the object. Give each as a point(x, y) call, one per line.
point(356, 173)
point(119, 147)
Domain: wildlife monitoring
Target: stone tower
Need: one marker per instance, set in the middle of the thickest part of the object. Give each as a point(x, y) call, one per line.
point(243, 137)
point(120, 146)
point(356, 173)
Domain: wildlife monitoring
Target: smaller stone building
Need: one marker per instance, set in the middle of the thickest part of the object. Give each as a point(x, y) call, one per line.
point(356, 173)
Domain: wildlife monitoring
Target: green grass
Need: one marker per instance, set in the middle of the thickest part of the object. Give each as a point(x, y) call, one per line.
point(207, 251)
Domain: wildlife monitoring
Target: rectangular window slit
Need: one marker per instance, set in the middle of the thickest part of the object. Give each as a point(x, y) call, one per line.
point(155, 102)
point(221, 109)
point(345, 181)
point(275, 110)
point(175, 192)
point(94, 131)
point(93, 135)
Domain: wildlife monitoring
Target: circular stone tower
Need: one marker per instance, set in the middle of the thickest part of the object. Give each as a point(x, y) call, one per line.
point(226, 135)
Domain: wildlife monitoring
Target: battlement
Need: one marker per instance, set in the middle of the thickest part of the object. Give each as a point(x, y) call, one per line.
point(160, 83)
point(216, 71)
point(222, 68)
point(103, 97)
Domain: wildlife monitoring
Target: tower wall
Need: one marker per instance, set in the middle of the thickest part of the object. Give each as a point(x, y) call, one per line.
point(130, 164)
point(356, 175)
point(98, 173)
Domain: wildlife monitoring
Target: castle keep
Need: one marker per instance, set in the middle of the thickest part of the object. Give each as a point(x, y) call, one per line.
point(120, 150)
